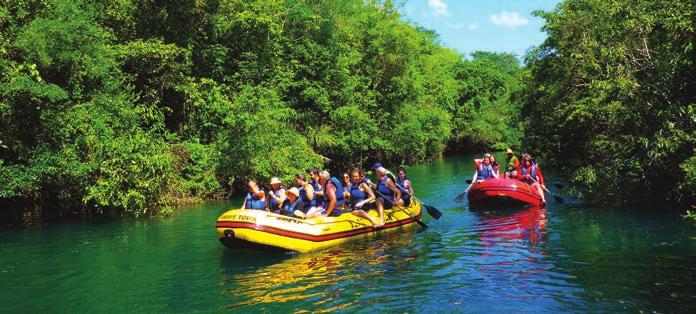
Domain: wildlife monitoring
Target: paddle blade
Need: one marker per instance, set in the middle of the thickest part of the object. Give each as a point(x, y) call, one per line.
point(460, 197)
point(422, 224)
point(432, 211)
point(468, 181)
point(558, 199)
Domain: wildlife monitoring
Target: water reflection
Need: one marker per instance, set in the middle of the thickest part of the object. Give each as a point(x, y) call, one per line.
point(526, 225)
point(329, 280)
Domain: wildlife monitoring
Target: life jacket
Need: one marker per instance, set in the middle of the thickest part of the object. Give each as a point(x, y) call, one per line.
point(339, 192)
point(356, 194)
point(307, 202)
point(318, 201)
point(254, 202)
point(272, 203)
point(386, 192)
point(290, 208)
point(405, 195)
point(484, 172)
point(533, 172)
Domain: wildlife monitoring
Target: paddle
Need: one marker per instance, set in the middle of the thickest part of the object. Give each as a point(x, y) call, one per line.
point(556, 198)
point(460, 197)
point(422, 224)
point(432, 211)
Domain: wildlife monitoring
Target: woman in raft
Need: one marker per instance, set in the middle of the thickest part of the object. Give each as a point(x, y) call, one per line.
point(362, 199)
point(530, 173)
point(256, 198)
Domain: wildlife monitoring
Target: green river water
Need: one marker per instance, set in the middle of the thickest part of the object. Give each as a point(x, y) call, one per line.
point(566, 258)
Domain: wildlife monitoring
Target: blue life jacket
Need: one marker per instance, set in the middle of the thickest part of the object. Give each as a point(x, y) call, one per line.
point(307, 202)
point(254, 202)
point(485, 172)
point(290, 208)
point(318, 201)
point(272, 203)
point(356, 194)
point(404, 196)
point(382, 187)
point(339, 193)
point(533, 172)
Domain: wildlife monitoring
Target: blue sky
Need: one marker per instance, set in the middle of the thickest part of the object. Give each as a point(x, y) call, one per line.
point(490, 25)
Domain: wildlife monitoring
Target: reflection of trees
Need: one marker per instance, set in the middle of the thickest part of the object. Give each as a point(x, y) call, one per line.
point(324, 279)
point(627, 261)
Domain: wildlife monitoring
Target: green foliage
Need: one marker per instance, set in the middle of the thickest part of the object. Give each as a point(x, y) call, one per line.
point(611, 98)
point(135, 106)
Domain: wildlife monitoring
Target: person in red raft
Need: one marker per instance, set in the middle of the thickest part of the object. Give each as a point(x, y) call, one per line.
point(530, 173)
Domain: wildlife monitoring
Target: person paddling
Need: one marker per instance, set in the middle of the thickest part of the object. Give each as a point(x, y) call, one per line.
point(333, 196)
point(405, 184)
point(256, 198)
point(531, 174)
point(512, 164)
point(388, 193)
point(362, 199)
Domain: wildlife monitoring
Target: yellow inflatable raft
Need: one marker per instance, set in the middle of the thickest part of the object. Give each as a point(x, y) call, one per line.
point(240, 228)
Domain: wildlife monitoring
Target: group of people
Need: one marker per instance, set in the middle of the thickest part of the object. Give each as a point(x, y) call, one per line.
point(325, 195)
point(527, 171)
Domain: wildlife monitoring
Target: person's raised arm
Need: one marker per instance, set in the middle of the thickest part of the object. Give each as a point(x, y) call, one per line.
point(309, 190)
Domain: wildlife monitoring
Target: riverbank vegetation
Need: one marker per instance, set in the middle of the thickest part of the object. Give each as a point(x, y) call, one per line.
point(135, 106)
point(611, 99)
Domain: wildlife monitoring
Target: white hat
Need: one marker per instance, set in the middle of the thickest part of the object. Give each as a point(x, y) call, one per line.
point(275, 180)
point(293, 190)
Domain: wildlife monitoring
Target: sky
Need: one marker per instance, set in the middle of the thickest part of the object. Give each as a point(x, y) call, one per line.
point(490, 25)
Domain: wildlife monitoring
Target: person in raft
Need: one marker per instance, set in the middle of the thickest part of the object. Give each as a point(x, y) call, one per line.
point(496, 167)
point(484, 169)
point(362, 199)
point(388, 194)
point(346, 185)
point(405, 185)
point(306, 195)
point(256, 198)
point(333, 196)
point(530, 173)
point(318, 192)
point(276, 196)
point(512, 164)
point(293, 203)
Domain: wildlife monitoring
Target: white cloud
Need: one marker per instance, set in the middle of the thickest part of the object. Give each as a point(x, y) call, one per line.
point(438, 7)
point(473, 26)
point(508, 19)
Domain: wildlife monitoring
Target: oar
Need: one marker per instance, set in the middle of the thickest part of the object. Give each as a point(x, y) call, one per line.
point(460, 197)
point(556, 198)
point(432, 211)
point(422, 224)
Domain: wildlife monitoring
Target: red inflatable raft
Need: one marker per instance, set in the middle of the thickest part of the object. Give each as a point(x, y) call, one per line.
point(504, 192)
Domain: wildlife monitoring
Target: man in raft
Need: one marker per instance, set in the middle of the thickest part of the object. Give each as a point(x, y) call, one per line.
point(255, 199)
point(333, 196)
point(318, 192)
point(388, 194)
point(276, 196)
point(530, 173)
point(512, 164)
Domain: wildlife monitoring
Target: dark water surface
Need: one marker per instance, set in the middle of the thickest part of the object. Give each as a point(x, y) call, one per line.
point(565, 258)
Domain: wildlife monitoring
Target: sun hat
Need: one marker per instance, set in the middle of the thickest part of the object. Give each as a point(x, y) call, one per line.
point(376, 165)
point(509, 151)
point(275, 180)
point(293, 190)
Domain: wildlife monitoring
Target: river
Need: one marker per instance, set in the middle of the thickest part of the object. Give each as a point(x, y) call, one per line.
point(568, 257)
